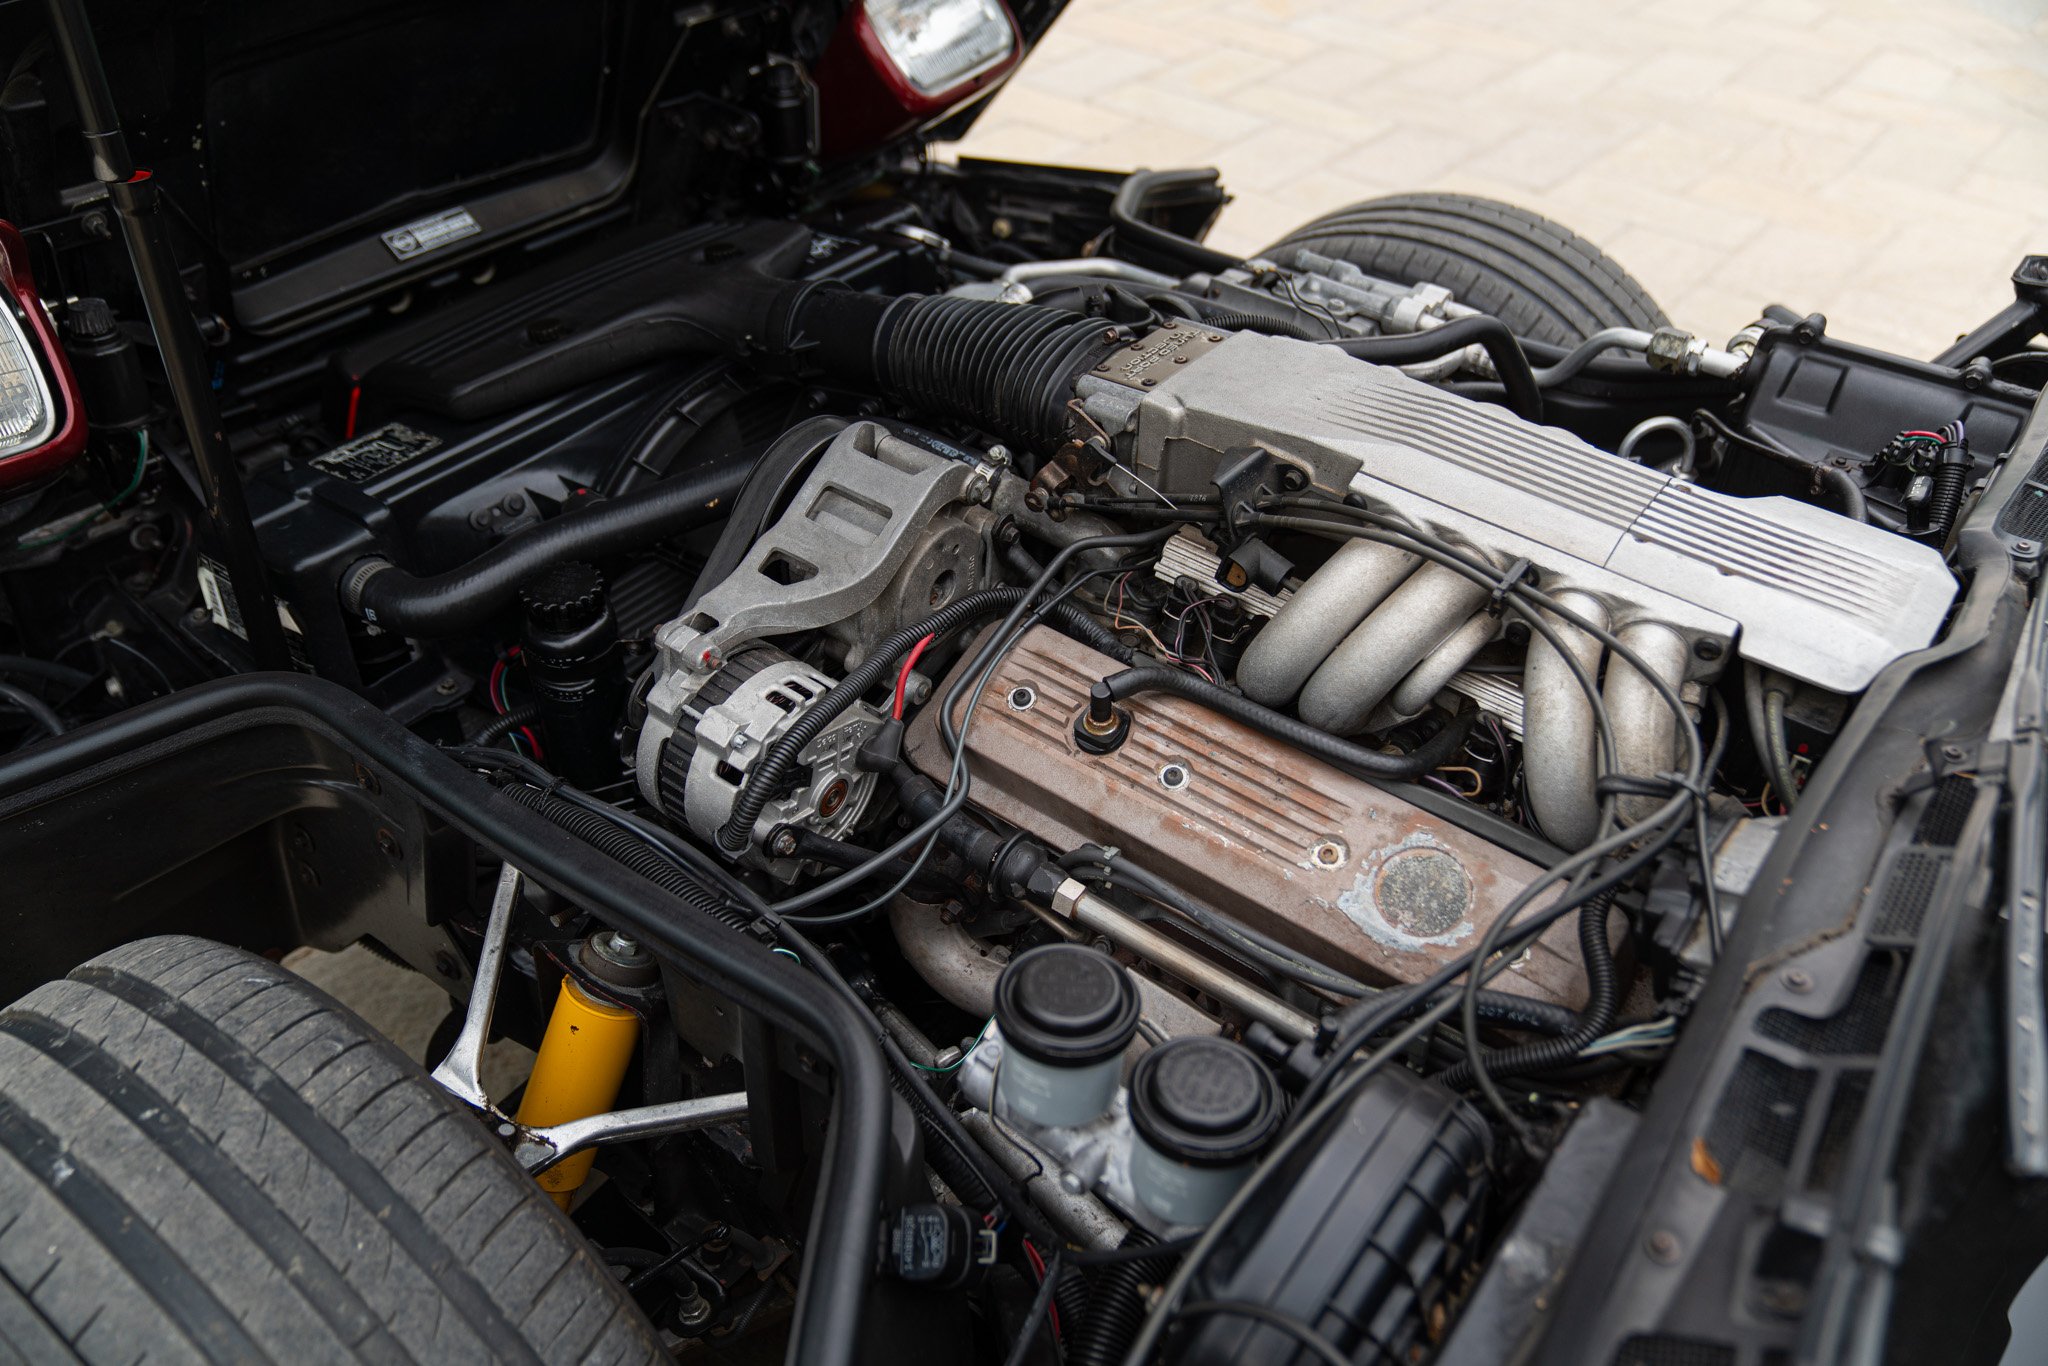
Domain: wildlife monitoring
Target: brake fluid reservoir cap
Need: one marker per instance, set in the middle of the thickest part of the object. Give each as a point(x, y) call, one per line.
point(1204, 1101)
point(1066, 1006)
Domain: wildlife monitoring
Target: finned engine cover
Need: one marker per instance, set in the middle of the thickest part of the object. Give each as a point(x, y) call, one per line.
point(1813, 594)
point(1346, 872)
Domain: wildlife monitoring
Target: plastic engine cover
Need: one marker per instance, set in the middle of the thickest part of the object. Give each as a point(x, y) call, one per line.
point(1366, 1239)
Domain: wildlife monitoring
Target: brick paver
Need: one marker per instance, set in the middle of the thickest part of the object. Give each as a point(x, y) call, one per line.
point(1883, 161)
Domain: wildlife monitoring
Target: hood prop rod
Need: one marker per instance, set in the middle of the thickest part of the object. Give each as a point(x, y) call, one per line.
point(138, 203)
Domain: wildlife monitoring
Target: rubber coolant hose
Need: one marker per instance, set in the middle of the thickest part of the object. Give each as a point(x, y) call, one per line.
point(1370, 763)
point(1502, 347)
point(466, 599)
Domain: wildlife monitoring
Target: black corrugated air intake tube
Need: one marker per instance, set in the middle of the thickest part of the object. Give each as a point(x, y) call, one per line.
point(1007, 368)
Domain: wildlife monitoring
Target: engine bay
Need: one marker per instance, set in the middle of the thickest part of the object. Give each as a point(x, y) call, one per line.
point(1272, 760)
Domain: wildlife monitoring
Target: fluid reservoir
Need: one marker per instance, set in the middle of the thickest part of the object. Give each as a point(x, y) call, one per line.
point(1066, 1014)
point(1203, 1110)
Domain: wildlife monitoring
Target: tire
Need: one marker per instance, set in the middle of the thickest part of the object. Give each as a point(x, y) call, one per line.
point(202, 1158)
point(1540, 278)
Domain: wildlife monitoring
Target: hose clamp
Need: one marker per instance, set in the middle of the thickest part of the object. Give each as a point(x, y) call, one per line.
point(356, 579)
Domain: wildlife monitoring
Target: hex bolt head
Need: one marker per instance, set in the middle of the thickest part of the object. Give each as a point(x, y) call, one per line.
point(1797, 980)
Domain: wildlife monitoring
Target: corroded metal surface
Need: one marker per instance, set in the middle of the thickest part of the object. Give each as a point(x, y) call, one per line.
point(1332, 865)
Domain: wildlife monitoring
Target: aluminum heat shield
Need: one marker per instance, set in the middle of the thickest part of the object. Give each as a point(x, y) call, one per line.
point(1346, 872)
point(1813, 594)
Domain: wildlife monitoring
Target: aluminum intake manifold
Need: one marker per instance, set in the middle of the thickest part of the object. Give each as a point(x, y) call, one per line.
point(1684, 575)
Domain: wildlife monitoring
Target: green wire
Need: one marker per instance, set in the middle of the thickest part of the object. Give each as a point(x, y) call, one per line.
point(141, 459)
point(963, 1056)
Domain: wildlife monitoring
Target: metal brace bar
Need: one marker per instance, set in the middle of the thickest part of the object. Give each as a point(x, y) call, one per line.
point(535, 1150)
point(460, 1072)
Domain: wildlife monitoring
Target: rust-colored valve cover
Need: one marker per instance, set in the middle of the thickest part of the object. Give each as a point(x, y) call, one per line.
point(1344, 871)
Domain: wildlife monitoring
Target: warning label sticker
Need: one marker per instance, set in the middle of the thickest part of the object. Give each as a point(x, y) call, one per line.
point(363, 459)
point(431, 234)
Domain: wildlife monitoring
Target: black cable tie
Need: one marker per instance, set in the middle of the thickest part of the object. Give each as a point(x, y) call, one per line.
point(1508, 583)
point(1649, 785)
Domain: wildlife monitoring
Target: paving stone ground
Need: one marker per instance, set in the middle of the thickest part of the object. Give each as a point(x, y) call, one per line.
point(1882, 161)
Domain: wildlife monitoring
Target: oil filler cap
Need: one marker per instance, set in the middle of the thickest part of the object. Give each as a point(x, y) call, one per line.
point(1204, 1101)
point(1066, 1005)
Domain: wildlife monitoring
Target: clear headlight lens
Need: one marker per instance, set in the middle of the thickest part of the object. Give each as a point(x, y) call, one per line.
point(27, 416)
point(937, 44)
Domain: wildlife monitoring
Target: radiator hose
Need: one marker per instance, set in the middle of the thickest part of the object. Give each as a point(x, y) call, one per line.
point(466, 598)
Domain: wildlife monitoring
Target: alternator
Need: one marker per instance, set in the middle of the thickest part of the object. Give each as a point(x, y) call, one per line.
point(885, 530)
point(726, 720)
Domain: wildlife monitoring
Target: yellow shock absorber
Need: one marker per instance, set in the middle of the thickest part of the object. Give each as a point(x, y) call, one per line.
point(582, 1061)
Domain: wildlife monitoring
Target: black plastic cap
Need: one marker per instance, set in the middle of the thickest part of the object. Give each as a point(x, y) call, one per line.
point(88, 319)
point(564, 596)
point(1066, 1006)
point(1204, 1101)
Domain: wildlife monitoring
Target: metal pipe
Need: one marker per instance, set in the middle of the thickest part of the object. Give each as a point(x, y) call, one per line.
point(1085, 908)
point(1688, 445)
point(135, 199)
point(1645, 727)
point(1321, 613)
point(946, 957)
point(538, 1149)
point(461, 1072)
point(1559, 734)
point(1341, 695)
point(1076, 1214)
point(1440, 665)
point(964, 973)
point(1103, 267)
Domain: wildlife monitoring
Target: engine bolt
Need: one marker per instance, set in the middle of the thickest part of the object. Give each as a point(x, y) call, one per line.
point(1708, 650)
point(387, 845)
point(1664, 1247)
point(1797, 980)
point(693, 1311)
point(783, 845)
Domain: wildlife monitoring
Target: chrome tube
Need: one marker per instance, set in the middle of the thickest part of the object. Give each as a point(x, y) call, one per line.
point(1560, 740)
point(1416, 618)
point(1437, 668)
point(1321, 613)
point(1645, 727)
point(1085, 908)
